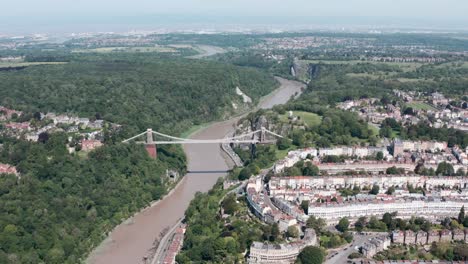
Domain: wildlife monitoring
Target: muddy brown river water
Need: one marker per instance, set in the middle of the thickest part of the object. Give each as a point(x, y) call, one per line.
point(131, 241)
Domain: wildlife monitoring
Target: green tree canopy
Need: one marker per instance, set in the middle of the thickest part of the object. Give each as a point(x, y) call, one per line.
point(311, 255)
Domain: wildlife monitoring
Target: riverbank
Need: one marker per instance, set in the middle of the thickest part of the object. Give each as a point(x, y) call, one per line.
point(130, 242)
point(130, 221)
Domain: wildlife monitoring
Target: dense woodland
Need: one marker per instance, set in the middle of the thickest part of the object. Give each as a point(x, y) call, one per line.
point(214, 238)
point(340, 82)
point(63, 205)
point(135, 91)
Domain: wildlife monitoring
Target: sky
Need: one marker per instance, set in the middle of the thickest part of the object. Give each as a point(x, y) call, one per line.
point(41, 12)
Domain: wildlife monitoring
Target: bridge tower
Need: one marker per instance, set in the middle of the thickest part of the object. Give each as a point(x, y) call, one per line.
point(263, 135)
point(150, 145)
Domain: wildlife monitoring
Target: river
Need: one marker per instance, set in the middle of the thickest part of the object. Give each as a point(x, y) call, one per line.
point(131, 241)
point(206, 51)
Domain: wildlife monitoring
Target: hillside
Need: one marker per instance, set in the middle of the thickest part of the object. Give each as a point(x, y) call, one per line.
point(168, 94)
point(64, 204)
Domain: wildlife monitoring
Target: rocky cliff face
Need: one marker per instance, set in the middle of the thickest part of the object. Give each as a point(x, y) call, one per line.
point(260, 122)
point(267, 120)
point(313, 70)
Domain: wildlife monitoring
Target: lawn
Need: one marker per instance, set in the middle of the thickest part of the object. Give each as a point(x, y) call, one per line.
point(420, 106)
point(405, 66)
point(310, 119)
point(375, 129)
point(324, 240)
point(281, 154)
point(26, 64)
point(194, 129)
point(364, 75)
point(127, 49)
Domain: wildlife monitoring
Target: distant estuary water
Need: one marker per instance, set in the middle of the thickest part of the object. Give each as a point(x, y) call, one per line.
point(132, 240)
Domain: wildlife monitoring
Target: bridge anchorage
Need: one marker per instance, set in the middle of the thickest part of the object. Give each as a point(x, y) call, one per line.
point(254, 137)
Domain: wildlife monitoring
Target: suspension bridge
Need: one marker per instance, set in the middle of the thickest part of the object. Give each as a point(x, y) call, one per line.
point(255, 137)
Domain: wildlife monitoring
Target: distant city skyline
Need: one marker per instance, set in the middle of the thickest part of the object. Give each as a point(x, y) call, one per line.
point(83, 15)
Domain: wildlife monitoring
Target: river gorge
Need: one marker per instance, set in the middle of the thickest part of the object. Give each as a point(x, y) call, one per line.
point(130, 241)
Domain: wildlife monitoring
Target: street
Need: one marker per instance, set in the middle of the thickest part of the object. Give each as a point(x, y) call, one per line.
point(340, 256)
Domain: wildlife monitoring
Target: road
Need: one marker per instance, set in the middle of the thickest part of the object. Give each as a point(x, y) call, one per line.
point(340, 256)
point(164, 244)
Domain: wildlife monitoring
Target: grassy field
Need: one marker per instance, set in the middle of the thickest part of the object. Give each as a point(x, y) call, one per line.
point(26, 64)
point(407, 80)
point(127, 49)
point(405, 66)
point(375, 130)
point(420, 106)
point(310, 119)
point(194, 129)
point(457, 64)
point(281, 154)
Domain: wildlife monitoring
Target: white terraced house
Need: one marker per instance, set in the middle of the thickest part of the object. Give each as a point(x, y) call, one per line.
point(406, 208)
point(279, 184)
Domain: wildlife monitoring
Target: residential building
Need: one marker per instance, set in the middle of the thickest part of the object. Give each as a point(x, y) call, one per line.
point(7, 169)
point(90, 144)
point(263, 253)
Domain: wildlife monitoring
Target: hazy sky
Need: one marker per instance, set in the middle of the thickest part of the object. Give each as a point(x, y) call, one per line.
point(437, 9)
point(27, 14)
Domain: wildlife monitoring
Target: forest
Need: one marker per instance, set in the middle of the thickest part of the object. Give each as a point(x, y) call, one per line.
point(136, 91)
point(340, 82)
point(63, 205)
point(214, 238)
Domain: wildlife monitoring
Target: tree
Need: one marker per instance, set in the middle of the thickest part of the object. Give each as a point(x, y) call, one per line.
point(446, 222)
point(292, 232)
point(245, 173)
point(275, 231)
point(343, 224)
point(305, 206)
point(311, 255)
point(392, 170)
point(316, 223)
point(43, 137)
point(379, 155)
point(390, 190)
point(335, 241)
point(385, 131)
point(230, 204)
point(455, 225)
point(375, 189)
point(37, 116)
point(461, 252)
point(356, 189)
point(460, 172)
point(442, 250)
point(310, 170)
point(401, 224)
point(445, 169)
point(426, 226)
point(348, 236)
point(55, 255)
point(292, 171)
point(355, 255)
point(360, 223)
point(461, 215)
point(283, 143)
